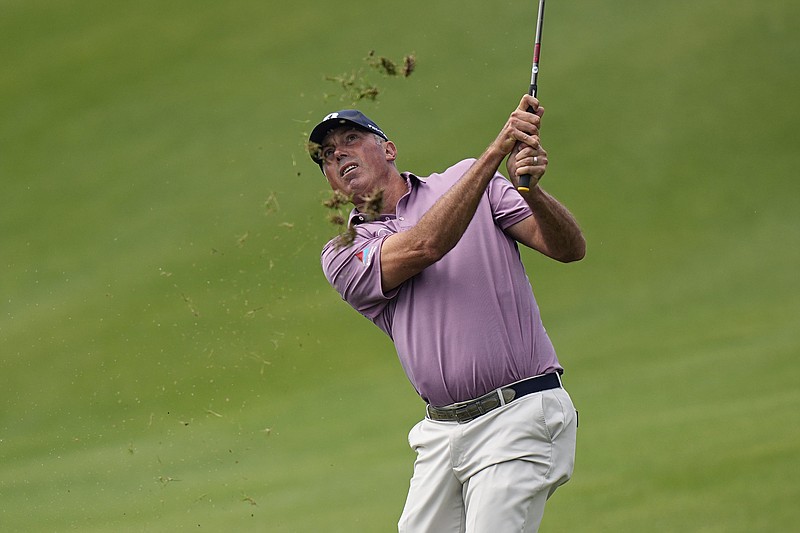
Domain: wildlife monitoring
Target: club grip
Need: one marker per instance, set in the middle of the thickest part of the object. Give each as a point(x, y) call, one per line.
point(524, 183)
point(525, 179)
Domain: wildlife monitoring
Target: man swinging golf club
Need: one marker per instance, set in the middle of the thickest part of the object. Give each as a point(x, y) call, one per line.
point(439, 271)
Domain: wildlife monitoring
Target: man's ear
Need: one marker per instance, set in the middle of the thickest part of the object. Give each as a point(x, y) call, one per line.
point(391, 150)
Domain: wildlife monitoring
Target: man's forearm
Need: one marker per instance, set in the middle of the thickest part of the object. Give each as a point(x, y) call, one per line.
point(558, 231)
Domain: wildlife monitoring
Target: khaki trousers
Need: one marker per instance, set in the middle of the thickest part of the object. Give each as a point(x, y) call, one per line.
point(493, 474)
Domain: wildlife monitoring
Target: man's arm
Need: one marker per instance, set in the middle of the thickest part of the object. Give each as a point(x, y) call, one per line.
point(408, 253)
point(552, 230)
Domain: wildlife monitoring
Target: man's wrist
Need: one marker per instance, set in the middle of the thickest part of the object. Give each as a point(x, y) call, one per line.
point(493, 155)
point(534, 194)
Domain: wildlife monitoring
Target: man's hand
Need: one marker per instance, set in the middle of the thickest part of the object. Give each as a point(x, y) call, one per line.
point(527, 156)
point(526, 160)
point(521, 127)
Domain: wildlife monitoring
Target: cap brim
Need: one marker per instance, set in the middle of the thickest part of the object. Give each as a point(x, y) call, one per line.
point(323, 128)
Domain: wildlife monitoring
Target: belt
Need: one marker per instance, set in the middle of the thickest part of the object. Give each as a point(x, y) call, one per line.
point(463, 412)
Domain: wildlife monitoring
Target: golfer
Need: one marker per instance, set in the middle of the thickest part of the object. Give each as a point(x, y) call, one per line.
point(439, 271)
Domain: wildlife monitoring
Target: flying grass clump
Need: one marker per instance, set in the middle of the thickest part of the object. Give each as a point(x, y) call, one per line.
point(337, 204)
point(357, 85)
point(314, 150)
point(390, 68)
point(370, 209)
point(372, 205)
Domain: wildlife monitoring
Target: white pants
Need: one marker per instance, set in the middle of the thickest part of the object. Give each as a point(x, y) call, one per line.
point(493, 474)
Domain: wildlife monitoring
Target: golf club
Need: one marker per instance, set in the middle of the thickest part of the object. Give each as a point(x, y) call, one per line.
point(525, 179)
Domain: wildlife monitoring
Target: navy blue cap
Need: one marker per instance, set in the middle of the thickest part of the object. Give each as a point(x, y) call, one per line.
point(337, 120)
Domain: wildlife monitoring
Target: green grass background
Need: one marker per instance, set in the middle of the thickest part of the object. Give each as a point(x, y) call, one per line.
point(172, 358)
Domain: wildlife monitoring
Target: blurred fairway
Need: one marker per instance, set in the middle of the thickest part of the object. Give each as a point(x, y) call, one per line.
point(173, 359)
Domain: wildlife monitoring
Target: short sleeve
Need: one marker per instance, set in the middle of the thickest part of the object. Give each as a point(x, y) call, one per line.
point(355, 272)
point(508, 206)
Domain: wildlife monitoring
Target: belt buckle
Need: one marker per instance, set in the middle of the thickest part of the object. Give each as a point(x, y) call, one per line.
point(472, 409)
point(507, 394)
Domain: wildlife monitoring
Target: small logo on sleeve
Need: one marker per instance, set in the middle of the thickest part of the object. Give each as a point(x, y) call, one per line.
point(365, 255)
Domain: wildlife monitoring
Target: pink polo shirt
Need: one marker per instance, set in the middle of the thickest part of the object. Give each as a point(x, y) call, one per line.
point(465, 325)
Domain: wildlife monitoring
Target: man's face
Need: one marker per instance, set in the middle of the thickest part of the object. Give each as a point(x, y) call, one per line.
point(355, 161)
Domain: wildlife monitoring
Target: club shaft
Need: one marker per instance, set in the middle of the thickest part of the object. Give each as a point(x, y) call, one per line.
point(525, 179)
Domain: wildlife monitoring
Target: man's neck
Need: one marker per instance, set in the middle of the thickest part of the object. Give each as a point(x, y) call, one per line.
point(384, 202)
